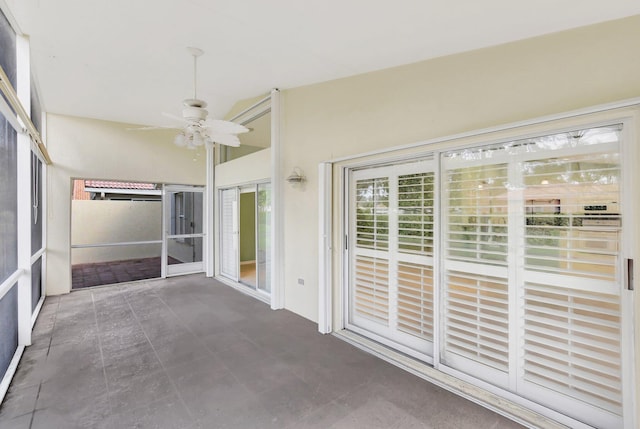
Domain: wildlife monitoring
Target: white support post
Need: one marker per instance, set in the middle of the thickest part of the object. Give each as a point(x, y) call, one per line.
point(24, 196)
point(43, 203)
point(209, 209)
point(165, 210)
point(277, 204)
point(325, 196)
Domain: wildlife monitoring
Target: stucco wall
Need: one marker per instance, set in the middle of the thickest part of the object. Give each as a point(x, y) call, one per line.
point(80, 148)
point(109, 221)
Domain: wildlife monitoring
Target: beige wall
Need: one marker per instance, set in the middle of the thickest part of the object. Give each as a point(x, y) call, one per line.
point(251, 168)
point(489, 87)
point(109, 221)
point(83, 148)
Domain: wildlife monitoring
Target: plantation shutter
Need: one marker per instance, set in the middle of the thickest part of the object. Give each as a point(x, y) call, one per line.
point(392, 255)
point(572, 329)
point(476, 287)
point(371, 258)
point(532, 240)
point(415, 255)
point(229, 233)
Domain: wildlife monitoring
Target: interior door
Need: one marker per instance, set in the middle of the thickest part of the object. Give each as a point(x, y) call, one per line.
point(229, 234)
point(184, 230)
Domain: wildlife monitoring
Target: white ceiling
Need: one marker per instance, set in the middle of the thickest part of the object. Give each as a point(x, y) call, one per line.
point(125, 60)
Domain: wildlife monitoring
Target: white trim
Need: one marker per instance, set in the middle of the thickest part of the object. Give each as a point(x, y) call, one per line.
point(253, 106)
point(629, 156)
point(11, 371)
point(124, 191)
point(36, 311)
point(247, 290)
point(37, 255)
point(209, 211)
point(174, 236)
point(438, 265)
point(128, 243)
point(14, 24)
point(185, 268)
point(9, 282)
point(44, 204)
point(8, 114)
point(163, 252)
point(325, 179)
point(277, 204)
point(343, 239)
point(24, 158)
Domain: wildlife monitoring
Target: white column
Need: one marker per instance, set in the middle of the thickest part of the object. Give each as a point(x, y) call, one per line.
point(325, 195)
point(277, 212)
point(24, 196)
point(209, 210)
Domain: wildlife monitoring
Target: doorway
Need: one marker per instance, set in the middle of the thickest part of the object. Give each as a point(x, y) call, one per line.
point(116, 232)
point(184, 230)
point(248, 236)
point(245, 235)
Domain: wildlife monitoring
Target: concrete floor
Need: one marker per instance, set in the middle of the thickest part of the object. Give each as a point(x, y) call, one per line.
point(190, 352)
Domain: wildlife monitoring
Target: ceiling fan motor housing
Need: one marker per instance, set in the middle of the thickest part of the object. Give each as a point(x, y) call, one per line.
point(194, 109)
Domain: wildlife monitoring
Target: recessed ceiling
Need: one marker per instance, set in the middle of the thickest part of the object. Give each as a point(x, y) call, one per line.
point(125, 60)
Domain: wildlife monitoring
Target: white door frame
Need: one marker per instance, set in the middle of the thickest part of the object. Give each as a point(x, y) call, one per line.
point(169, 270)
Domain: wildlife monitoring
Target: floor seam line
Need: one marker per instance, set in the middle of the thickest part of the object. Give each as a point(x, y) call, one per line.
point(164, 369)
point(104, 368)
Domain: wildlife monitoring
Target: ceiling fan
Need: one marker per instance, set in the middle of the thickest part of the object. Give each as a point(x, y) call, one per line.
point(198, 129)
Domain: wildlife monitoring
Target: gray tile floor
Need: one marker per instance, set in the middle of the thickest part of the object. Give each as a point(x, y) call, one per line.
point(190, 352)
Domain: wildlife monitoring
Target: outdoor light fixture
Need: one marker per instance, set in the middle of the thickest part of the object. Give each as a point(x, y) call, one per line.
point(296, 176)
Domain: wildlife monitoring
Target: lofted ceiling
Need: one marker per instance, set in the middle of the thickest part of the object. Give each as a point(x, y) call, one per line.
point(125, 60)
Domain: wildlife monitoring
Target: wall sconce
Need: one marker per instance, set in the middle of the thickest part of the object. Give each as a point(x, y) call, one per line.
point(296, 176)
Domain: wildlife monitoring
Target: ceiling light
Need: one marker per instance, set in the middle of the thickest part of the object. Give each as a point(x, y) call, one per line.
point(180, 140)
point(197, 139)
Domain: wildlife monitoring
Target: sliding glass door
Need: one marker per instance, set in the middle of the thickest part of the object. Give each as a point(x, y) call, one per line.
point(245, 235)
point(520, 278)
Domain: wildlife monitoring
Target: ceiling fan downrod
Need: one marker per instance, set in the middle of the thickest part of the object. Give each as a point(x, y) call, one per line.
point(196, 52)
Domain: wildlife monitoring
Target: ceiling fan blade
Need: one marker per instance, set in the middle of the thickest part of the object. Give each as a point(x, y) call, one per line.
point(219, 126)
point(152, 128)
point(175, 117)
point(225, 139)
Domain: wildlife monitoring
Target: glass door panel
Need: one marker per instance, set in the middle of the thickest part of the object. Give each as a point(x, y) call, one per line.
point(247, 236)
point(391, 255)
point(263, 254)
point(532, 270)
point(184, 230)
